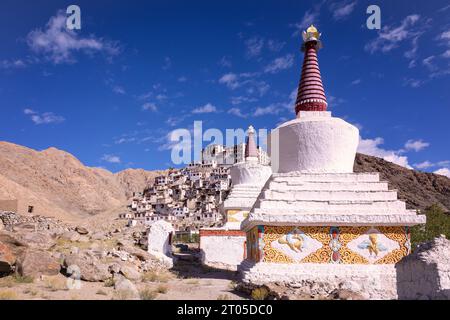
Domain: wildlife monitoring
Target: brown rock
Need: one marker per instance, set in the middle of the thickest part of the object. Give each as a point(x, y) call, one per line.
point(88, 267)
point(7, 259)
point(34, 263)
point(81, 230)
point(40, 240)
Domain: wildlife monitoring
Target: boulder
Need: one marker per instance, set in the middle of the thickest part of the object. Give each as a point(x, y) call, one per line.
point(70, 236)
point(7, 259)
point(88, 267)
point(98, 236)
point(10, 248)
point(34, 263)
point(41, 240)
point(114, 268)
point(82, 230)
point(130, 271)
point(125, 289)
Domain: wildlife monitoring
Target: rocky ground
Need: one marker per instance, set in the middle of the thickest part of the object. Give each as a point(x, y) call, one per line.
point(42, 258)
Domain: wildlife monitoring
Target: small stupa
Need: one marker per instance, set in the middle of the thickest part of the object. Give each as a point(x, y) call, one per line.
point(224, 247)
point(315, 220)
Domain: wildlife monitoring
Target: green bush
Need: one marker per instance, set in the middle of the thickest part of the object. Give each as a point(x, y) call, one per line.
point(438, 222)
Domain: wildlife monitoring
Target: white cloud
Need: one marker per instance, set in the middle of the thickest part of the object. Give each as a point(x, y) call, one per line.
point(416, 145)
point(271, 109)
point(230, 80)
point(428, 62)
point(237, 112)
point(241, 99)
point(225, 62)
point(372, 147)
point(182, 79)
point(247, 80)
point(279, 64)
point(110, 158)
point(119, 90)
point(275, 45)
point(149, 106)
point(427, 164)
point(413, 83)
point(12, 64)
point(58, 44)
point(423, 165)
point(390, 37)
point(443, 172)
point(310, 17)
point(167, 63)
point(43, 118)
point(254, 46)
point(207, 108)
point(355, 82)
point(342, 10)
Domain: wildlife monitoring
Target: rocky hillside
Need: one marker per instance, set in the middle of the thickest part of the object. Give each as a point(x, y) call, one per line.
point(61, 186)
point(419, 189)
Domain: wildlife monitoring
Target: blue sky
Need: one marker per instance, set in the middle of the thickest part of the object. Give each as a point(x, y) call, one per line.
point(111, 92)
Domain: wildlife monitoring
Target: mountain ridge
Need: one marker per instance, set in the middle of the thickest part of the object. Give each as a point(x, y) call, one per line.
point(63, 187)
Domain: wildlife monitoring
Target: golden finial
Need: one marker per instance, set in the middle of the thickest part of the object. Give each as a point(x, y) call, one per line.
point(311, 34)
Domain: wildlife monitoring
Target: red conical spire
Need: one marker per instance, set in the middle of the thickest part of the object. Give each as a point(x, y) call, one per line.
point(311, 95)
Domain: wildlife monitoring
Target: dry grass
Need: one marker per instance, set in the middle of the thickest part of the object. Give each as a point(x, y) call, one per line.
point(260, 293)
point(14, 279)
point(32, 292)
point(101, 292)
point(192, 281)
point(157, 276)
point(8, 295)
point(55, 284)
point(223, 297)
point(123, 295)
point(109, 282)
point(148, 294)
point(162, 289)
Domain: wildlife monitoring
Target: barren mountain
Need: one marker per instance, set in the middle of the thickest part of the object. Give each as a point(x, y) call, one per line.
point(59, 185)
point(419, 189)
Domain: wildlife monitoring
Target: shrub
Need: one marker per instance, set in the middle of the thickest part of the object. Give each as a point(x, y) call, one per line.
point(8, 295)
point(157, 276)
point(162, 289)
point(260, 293)
point(148, 294)
point(223, 297)
point(438, 222)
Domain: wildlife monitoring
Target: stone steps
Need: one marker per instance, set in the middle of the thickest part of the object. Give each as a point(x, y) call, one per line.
point(333, 211)
point(329, 186)
point(349, 206)
point(322, 195)
point(295, 177)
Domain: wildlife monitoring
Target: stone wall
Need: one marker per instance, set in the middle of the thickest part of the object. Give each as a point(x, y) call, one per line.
point(222, 249)
point(425, 274)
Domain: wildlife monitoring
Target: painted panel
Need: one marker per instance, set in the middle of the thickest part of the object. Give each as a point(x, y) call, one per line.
point(347, 245)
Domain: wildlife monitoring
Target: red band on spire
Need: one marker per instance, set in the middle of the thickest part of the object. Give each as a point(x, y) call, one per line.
point(311, 95)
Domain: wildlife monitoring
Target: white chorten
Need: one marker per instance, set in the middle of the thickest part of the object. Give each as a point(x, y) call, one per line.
point(225, 247)
point(315, 220)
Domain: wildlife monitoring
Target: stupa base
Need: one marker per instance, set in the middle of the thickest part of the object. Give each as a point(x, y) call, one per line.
point(222, 248)
point(371, 281)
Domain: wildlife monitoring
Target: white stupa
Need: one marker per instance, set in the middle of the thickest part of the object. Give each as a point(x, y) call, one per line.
point(224, 247)
point(315, 220)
